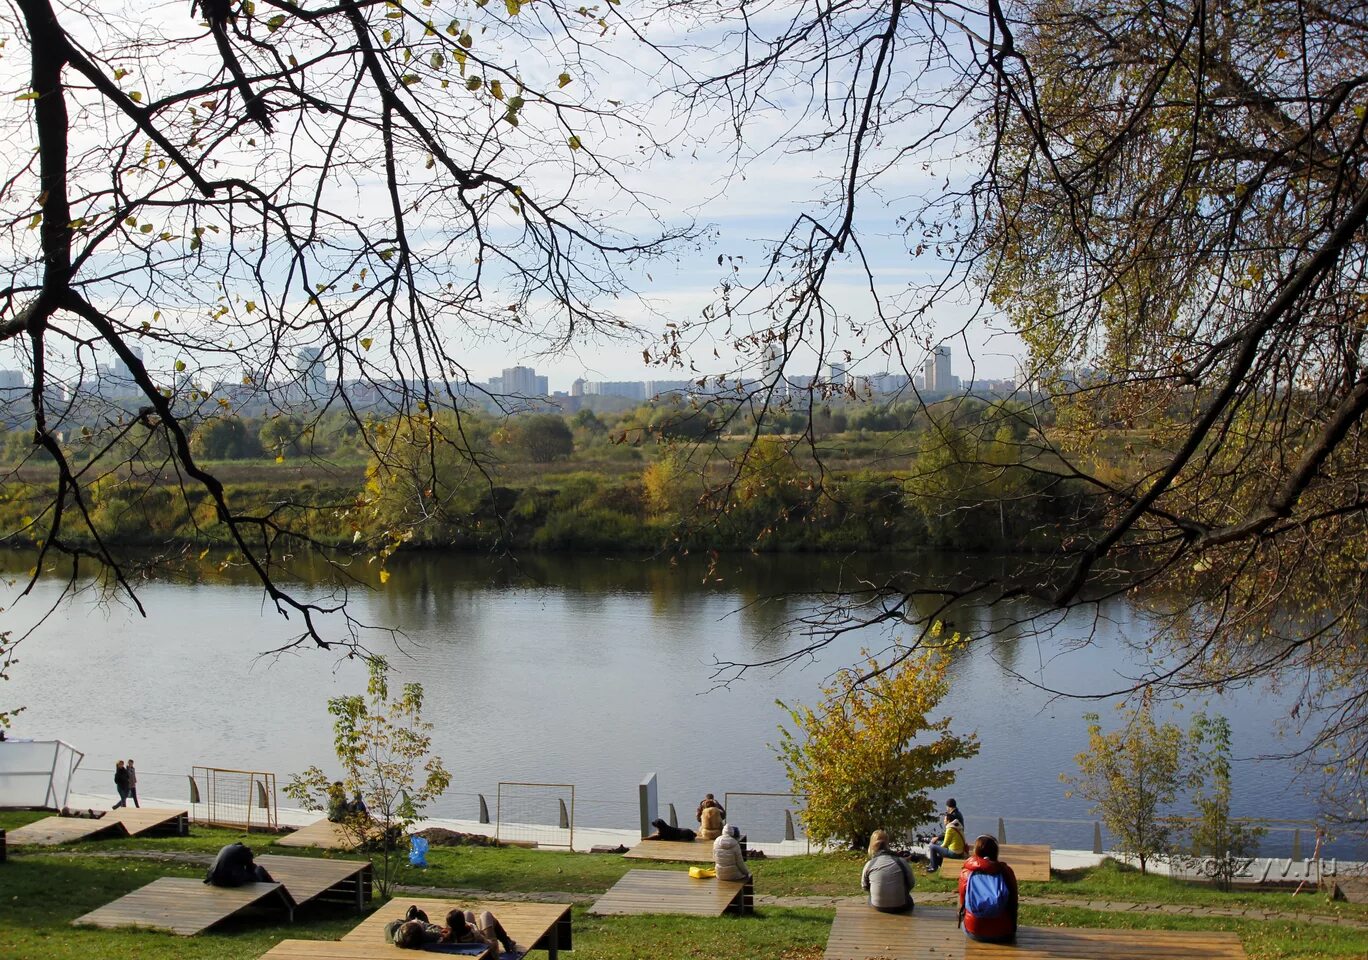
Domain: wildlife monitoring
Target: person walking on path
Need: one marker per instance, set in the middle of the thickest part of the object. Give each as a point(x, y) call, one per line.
point(121, 783)
point(132, 783)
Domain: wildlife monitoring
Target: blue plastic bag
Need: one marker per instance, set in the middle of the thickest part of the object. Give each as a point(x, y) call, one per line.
point(418, 848)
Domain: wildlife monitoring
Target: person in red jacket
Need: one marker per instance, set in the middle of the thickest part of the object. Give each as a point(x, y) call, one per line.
point(988, 901)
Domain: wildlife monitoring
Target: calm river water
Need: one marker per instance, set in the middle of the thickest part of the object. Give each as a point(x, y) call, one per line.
point(578, 670)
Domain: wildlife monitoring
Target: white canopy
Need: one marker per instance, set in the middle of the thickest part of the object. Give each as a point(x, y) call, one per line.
point(37, 773)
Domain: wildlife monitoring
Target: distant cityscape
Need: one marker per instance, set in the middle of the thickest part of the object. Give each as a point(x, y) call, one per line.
point(312, 384)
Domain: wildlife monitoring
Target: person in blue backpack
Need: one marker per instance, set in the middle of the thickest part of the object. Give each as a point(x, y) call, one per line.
point(988, 895)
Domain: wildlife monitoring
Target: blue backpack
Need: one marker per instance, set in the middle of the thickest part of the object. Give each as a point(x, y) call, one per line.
point(985, 895)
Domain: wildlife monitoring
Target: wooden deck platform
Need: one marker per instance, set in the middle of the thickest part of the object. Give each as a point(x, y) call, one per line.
point(863, 933)
point(673, 891)
point(352, 950)
point(311, 878)
point(51, 831)
point(686, 851)
point(533, 926)
point(152, 821)
point(323, 834)
point(1028, 861)
point(184, 905)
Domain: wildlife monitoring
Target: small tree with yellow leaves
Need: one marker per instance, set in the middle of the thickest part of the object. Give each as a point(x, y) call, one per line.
point(868, 756)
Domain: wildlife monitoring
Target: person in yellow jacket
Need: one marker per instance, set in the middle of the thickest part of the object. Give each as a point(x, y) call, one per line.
point(951, 845)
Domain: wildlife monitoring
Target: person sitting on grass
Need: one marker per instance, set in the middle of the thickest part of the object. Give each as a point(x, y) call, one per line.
point(988, 895)
point(663, 831)
point(887, 876)
point(728, 858)
point(951, 845)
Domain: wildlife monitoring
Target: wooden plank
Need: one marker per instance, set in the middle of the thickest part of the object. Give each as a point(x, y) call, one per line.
point(860, 932)
point(309, 878)
point(669, 891)
point(51, 831)
point(691, 851)
point(533, 926)
point(323, 834)
point(1028, 861)
point(354, 950)
point(151, 820)
point(183, 906)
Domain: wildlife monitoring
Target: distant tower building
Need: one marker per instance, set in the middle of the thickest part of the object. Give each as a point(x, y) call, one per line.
point(520, 381)
point(577, 388)
point(772, 368)
point(936, 371)
point(836, 373)
point(543, 387)
point(312, 372)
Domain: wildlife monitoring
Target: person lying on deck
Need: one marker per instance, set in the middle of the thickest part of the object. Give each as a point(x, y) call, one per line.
point(415, 932)
point(663, 831)
point(234, 866)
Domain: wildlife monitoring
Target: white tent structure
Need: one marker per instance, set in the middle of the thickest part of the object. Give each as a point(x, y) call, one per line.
point(37, 773)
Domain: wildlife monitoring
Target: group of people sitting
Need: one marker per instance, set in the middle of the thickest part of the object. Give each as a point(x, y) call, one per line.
point(415, 932)
point(729, 856)
point(988, 897)
point(339, 807)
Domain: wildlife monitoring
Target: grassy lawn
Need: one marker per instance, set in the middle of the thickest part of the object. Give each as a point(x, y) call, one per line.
point(40, 893)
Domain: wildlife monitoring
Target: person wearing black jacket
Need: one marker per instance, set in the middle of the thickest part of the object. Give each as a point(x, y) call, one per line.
point(121, 784)
point(234, 866)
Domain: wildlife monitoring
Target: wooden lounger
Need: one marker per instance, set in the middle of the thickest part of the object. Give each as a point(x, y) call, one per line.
point(687, 851)
point(311, 878)
point(185, 906)
point(51, 831)
point(348, 950)
point(147, 821)
point(673, 891)
point(323, 834)
point(860, 932)
point(1028, 861)
point(533, 926)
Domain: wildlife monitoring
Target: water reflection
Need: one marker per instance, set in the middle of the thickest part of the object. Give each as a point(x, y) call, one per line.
point(592, 672)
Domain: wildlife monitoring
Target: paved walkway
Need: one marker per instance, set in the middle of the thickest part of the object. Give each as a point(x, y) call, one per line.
point(824, 903)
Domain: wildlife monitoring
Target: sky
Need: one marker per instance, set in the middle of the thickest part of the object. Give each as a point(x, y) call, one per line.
point(738, 194)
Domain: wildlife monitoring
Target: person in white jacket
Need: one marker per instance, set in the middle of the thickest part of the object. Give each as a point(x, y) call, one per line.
point(727, 856)
point(887, 877)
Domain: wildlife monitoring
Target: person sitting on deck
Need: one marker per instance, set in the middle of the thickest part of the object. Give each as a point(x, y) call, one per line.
point(887, 876)
point(663, 831)
point(988, 895)
point(708, 801)
point(951, 845)
point(728, 858)
point(337, 802)
point(710, 817)
point(234, 866)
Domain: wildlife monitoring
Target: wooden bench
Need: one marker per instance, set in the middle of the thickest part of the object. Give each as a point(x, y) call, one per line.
point(309, 878)
point(674, 891)
point(323, 834)
point(533, 926)
point(185, 906)
point(687, 851)
point(1028, 861)
point(860, 932)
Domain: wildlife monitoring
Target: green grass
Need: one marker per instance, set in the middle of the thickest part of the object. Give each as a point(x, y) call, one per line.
point(40, 893)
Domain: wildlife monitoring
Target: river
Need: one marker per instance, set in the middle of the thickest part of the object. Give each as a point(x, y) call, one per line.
point(582, 671)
